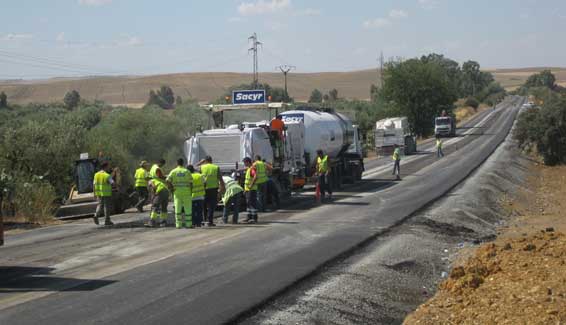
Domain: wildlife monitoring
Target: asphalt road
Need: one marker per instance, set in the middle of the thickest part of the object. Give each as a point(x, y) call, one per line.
point(78, 273)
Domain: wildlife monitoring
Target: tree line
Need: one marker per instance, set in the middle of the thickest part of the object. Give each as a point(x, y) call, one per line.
point(541, 129)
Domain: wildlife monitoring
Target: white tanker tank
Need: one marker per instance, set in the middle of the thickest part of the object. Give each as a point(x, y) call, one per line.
point(331, 132)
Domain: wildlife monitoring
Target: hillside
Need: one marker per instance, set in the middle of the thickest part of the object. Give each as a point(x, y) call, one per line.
point(133, 90)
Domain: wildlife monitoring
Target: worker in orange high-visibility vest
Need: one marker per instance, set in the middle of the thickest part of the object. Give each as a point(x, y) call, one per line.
point(103, 192)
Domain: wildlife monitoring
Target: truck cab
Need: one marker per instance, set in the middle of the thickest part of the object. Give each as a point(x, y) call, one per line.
point(445, 126)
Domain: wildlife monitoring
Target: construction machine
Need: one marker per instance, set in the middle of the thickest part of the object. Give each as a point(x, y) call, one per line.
point(81, 202)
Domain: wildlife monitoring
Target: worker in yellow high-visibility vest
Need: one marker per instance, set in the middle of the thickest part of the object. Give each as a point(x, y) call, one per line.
point(322, 172)
point(103, 192)
point(261, 168)
point(197, 196)
point(439, 152)
point(250, 190)
point(156, 170)
point(141, 182)
point(181, 183)
point(160, 194)
point(397, 161)
point(212, 182)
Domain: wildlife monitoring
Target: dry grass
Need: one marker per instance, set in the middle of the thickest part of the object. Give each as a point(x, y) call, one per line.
point(133, 90)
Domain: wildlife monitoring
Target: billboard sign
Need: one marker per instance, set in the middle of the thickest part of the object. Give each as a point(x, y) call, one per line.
point(242, 97)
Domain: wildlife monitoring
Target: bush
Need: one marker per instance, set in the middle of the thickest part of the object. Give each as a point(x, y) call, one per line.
point(472, 102)
point(545, 130)
point(34, 199)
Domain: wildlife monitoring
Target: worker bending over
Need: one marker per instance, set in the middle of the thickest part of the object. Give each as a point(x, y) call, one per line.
point(397, 162)
point(261, 168)
point(142, 177)
point(160, 192)
point(323, 173)
point(212, 181)
point(180, 181)
point(250, 188)
point(197, 196)
point(103, 191)
point(231, 199)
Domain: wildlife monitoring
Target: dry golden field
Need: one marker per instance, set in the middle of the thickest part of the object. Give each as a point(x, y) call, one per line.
point(133, 90)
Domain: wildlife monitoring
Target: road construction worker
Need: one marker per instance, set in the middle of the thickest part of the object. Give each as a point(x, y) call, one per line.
point(397, 161)
point(156, 170)
point(261, 168)
point(323, 173)
point(103, 191)
point(439, 152)
point(160, 194)
point(180, 181)
point(231, 199)
point(212, 181)
point(278, 125)
point(141, 179)
point(250, 190)
point(197, 196)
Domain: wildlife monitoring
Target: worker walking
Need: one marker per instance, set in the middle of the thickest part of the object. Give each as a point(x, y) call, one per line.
point(156, 170)
point(250, 189)
point(231, 199)
point(103, 191)
point(212, 181)
point(160, 192)
point(439, 152)
point(322, 172)
point(142, 177)
point(180, 181)
point(261, 169)
point(397, 162)
point(197, 196)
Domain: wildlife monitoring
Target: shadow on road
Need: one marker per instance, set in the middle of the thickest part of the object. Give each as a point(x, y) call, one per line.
point(19, 279)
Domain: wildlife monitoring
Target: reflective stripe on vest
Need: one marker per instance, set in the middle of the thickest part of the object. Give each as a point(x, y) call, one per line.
point(198, 185)
point(141, 177)
point(102, 187)
point(248, 181)
point(181, 179)
point(261, 172)
point(210, 173)
point(322, 164)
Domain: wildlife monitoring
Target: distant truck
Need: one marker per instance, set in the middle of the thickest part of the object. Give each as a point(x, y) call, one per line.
point(394, 131)
point(445, 126)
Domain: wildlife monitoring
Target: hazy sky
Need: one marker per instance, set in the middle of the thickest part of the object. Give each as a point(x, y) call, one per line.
point(45, 38)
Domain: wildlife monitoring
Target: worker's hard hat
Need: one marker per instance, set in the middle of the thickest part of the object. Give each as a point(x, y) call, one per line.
point(143, 163)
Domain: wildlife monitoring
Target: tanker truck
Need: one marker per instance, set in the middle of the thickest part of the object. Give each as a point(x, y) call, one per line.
point(293, 156)
point(336, 136)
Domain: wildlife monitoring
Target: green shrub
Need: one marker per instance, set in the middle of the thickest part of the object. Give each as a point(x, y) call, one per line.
point(34, 199)
point(472, 102)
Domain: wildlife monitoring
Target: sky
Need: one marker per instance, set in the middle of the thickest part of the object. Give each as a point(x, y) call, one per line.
point(55, 38)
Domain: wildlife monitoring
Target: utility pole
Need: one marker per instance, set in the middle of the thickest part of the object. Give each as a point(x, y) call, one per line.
point(381, 69)
point(286, 69)
point(253, 49)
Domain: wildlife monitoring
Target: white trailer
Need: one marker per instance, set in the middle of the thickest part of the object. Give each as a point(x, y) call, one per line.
point(394, 131)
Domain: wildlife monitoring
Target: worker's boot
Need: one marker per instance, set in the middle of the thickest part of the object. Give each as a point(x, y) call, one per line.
point(95, 219)
point(108, 222)
point(151, 223)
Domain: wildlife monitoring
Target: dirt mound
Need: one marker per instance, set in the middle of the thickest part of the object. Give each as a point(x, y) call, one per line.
point(521, 277)
point(517, 281)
